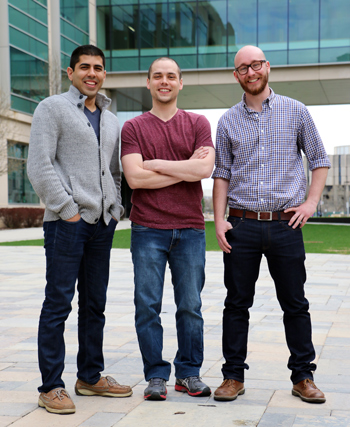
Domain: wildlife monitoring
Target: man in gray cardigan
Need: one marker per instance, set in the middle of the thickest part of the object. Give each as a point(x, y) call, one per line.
point(73, 165)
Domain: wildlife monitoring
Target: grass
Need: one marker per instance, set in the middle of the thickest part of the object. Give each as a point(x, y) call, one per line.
point(318, 238)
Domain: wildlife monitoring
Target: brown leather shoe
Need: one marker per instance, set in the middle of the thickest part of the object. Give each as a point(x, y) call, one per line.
point(308, 392)
point(229, 390)
point(57, 401)
point(106, 386)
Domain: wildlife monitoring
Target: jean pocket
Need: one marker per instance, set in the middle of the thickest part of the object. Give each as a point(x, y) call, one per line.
point(235, 222)
point(284, 224)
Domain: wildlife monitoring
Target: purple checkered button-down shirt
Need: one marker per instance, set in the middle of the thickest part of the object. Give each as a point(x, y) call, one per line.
point(260, 153)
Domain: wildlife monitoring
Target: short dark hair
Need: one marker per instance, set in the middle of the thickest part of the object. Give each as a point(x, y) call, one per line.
point(86, 49)
point(161, 59)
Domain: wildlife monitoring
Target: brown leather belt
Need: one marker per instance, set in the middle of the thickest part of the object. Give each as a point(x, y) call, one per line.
point(261, 216)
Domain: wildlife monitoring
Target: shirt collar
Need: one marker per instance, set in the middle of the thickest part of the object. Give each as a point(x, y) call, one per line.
point(268, 101)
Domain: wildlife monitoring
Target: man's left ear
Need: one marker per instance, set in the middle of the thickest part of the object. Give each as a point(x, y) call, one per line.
point(181, 84)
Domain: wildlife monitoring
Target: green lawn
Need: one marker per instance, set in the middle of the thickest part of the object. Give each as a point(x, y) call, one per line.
point(318, 238)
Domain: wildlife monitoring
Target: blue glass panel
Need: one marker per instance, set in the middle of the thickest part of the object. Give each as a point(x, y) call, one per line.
point(335, 23)
point(123, 28)
point(77, 12)
point(212, 22)
point(68, 46)
point(242, 23)
point(213, 60)
point(182, 24)
point(303, 56)
point(20, 189)
point(125, 64)
point(31, 7)
point(29, 76)
point(186, 61)
point(24, 105)
point(27, 24)
point(153, 26)
point(303, 24)
point(272, 24)
point(335, 54)
point(74, 33)
point(27, 43)
point(276, 57)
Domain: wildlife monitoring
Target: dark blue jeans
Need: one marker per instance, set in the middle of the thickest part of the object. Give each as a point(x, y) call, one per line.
point(284, 250)
point(74, 250)
point(184, 250)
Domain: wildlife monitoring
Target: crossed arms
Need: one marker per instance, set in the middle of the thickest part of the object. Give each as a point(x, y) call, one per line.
point(157, 173)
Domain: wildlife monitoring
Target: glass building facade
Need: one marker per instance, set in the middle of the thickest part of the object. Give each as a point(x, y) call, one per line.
point(28, 33)
point(74, 27)
point(207, 33)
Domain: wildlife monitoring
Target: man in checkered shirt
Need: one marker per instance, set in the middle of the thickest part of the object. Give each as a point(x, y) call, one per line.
point(259, 173)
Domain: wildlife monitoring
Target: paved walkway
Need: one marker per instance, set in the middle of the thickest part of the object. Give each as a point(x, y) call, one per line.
point(268, 401)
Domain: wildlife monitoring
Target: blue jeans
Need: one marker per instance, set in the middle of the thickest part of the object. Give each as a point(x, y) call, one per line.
point(284, 250)
point(74, 250)
point(184, 250)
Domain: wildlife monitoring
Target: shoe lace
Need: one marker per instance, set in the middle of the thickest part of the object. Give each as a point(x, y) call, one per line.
point(308, 381)
point(61, 393)
point(194, 380)
point(156, 381)
point(229, 382)
point(111, 381)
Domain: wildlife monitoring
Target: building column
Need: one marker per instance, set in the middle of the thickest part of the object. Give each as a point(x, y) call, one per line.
point(54, 27)
point(92, 22)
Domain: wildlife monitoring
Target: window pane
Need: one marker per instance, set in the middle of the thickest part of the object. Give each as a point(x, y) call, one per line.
point(73, 33)
point(27, 43)
point(242, 24)
point(153, 26)
point(303, 24)
point(32, 8)
point(77, 12)
point(272, 25)
point(335, 28)
point(20, 189)
point(27, 24)
point(24, 105)
point(68, 46)
point(29, 76)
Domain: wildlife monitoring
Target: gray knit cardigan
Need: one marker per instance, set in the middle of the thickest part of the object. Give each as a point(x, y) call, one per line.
point(69, 170)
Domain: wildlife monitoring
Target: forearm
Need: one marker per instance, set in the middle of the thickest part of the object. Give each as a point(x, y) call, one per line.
point(191, 170)
point(220, 198)
point(318, 181)
point(138, 177)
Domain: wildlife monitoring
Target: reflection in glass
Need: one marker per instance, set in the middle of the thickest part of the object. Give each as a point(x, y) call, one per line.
point(208, 33)
point(20, 189)
point(29, 76)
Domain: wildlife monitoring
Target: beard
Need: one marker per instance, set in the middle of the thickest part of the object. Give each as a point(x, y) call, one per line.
point(257, 90)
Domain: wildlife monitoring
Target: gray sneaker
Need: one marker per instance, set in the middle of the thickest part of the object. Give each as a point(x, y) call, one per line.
point(156, 389)
point(194, 386)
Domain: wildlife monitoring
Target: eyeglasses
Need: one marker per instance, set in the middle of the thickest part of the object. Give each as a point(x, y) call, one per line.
point(256, 66)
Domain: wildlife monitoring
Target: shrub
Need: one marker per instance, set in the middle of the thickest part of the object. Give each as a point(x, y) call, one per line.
point(22, 217)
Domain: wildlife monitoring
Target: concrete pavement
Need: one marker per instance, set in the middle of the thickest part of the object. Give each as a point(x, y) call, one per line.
point(267, 402)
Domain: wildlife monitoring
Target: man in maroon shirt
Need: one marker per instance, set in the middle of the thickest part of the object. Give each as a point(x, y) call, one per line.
point(165, 154)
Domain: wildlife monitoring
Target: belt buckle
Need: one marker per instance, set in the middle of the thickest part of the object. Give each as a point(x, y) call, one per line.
point(267, 219)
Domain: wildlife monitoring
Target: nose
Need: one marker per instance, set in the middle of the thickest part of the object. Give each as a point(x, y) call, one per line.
point(250, 71)
point(92, 71)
